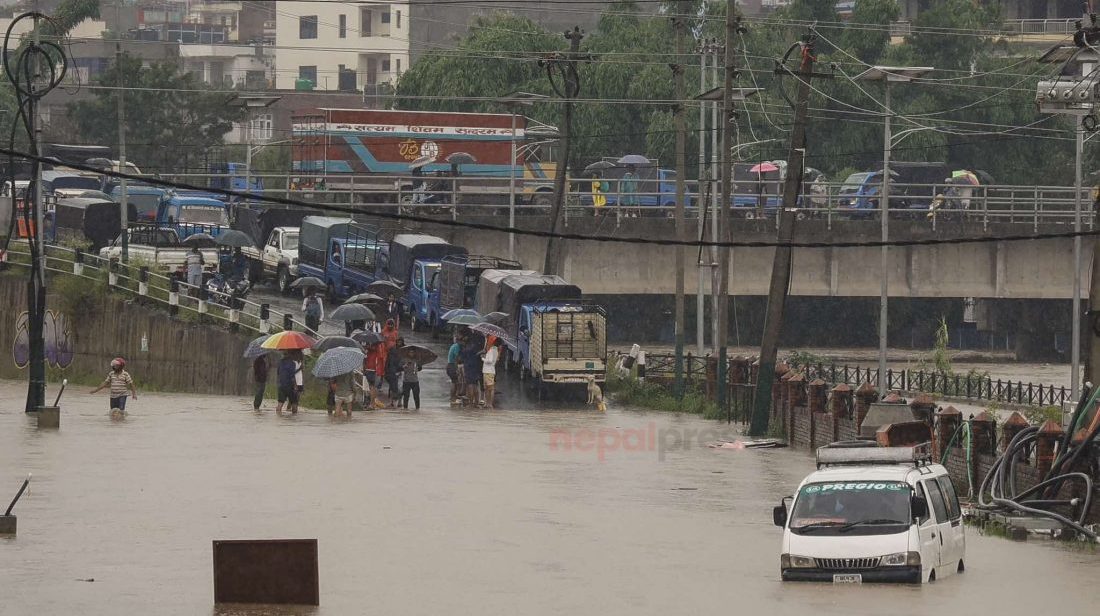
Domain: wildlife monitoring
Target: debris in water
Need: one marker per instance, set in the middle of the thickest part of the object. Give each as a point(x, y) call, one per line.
point(85, 579)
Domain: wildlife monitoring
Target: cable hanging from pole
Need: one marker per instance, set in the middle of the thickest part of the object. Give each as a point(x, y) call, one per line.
point(34, 69)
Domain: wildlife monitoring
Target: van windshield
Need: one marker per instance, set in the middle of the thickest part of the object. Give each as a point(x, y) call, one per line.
point(857, 508)
point(852, 184)
point(203, 215)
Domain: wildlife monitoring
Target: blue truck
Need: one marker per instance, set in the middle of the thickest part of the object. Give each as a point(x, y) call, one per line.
point(557, 338)
point(455, 283)
point(654, 187)
point(345, 255)
point(231, 176)
point(145, 198)
point(412, 261)
point(189, 213)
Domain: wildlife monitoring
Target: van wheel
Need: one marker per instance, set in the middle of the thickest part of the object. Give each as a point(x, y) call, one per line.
point(962, 566)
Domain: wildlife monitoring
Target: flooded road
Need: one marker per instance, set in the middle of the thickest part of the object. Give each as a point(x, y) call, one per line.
point(441, 511)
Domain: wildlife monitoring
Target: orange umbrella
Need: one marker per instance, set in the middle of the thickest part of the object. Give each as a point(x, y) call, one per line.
point(288, 340)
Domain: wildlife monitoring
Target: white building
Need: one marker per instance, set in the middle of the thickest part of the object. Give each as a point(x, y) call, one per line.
point(341, 45)
point(250, 67)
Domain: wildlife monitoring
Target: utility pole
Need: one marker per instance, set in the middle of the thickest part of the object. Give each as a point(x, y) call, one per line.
point(781, 264)
point(723, 158)
point(36, 283)
point(568, 89)
point(123, 204)
point(700, 304)
point(680, 26)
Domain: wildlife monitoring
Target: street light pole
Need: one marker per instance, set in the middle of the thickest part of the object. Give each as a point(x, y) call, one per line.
point(700, 303)
point(884, 283)
point(512, 192)
point(1075, 347)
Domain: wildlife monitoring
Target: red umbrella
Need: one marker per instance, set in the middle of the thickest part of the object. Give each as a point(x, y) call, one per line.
point(763, 168)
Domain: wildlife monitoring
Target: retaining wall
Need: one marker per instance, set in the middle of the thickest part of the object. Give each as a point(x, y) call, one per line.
point(181, 357)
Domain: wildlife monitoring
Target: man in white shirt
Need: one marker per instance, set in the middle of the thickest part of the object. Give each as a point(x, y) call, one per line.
point(489, 371)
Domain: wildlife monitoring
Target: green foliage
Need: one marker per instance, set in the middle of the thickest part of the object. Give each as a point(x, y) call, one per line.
point(650, 395)
point(77, 296)
point(166, 132)
point(941, 359)
point(1039, 416)
point(801, 359)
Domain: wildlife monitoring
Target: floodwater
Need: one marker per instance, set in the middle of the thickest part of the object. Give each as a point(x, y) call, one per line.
point(442, 511)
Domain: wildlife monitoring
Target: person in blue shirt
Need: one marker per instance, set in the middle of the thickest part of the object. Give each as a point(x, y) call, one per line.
point(452, 368)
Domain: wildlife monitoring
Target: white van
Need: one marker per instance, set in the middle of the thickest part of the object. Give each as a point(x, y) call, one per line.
point(872, 514)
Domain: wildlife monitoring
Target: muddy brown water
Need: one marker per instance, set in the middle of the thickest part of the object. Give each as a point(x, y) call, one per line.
point(441, 511)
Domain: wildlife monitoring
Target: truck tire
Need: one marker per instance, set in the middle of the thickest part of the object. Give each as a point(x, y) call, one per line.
point(282, 278)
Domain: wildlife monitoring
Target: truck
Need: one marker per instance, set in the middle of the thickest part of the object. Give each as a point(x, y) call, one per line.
point(411, 262)
point(340, 252)
point(275, 232)
point(371, 152)
point(145, 197)
point(557, 338)
point(231, 176)
point(189, 214)
point(456, 282)
point(83, 219)
point(157, 247)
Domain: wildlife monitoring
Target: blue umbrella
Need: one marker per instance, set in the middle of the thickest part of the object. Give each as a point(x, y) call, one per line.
point(450, 314)
point(253, 350)
point(337, 362)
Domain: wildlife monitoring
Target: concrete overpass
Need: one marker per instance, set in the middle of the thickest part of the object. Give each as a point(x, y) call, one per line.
point(1032, 269)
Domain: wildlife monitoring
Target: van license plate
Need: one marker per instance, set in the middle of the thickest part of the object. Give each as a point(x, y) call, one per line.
point(847, 578)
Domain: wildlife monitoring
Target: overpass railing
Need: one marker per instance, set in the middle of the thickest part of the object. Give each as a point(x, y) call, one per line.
point(144, 283)
point(448, 197)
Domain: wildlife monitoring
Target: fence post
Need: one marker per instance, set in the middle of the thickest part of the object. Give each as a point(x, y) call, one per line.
point(112, 273)
point(288, 321)
point(1011, 427)
point(949, 421)
point(265, 315)
point(204, 295)
point(78, 262)
point(1049, 434)
point(173, 295)
point(865, 395)
point(143, 281)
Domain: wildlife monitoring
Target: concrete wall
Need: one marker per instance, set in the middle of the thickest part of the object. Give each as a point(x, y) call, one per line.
point(182, 357)
point(1032, 269)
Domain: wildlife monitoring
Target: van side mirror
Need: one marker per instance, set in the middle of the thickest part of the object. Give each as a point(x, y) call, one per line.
point(779, 515)
point(919, 507)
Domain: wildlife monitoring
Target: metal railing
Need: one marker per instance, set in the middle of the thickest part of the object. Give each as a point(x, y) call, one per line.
point(932, 204)
point(700, 370)
point(167, 291)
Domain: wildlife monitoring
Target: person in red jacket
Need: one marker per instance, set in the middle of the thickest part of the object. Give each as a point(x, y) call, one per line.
point(374, 367)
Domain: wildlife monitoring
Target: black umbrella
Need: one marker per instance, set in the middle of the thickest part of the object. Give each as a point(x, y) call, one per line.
point(421, 162)
point(308, 282)
point(351, 312)
point(366, 338)
point(384, 287)
point(200, 240)
point(365, 298)
point(334, 342)
point(598, 166)
point(421, 355)
point(461, 158)
point(234, 239)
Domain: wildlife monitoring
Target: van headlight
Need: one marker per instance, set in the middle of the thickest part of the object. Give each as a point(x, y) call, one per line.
point(901, 559)
point(790, 561)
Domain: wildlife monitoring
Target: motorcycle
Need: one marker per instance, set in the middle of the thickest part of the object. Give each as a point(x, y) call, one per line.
point(227, 291)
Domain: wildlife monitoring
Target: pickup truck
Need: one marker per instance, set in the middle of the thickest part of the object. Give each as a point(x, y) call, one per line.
point(558, 339)
point(342, 253)
point(411, 261)
point(189, 214)
point(275, 232)
point(158, 248)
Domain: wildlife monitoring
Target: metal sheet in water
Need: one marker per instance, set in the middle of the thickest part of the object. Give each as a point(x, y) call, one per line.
point(282, 571)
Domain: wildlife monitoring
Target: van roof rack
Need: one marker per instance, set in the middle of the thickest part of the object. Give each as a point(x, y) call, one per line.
point(843, 454)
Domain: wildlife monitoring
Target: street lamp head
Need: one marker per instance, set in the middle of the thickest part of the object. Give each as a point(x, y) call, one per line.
point(893, 74)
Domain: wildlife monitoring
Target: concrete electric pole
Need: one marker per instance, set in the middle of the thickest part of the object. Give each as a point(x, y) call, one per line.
point(561, 70)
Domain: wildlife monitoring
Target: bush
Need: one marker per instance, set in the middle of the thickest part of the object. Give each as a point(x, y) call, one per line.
point(77, 296)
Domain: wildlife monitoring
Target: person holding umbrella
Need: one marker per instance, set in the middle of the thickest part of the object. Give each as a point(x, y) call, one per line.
point(599, 192)
point(410, 369)
point(489, 369)
point(314, 309)
point(194, 262)
point(393, 373)
point(259, 377)
point(287, 382)
point(340, 366)
point(628, 190)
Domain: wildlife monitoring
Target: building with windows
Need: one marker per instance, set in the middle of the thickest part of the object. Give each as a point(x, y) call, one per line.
point(342, 46)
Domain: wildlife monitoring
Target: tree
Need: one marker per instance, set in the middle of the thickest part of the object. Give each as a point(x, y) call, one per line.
point(171, 122)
